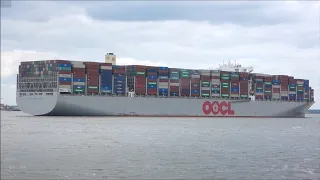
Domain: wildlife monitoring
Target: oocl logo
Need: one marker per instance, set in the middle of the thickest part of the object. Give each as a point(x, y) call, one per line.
point(224, 108)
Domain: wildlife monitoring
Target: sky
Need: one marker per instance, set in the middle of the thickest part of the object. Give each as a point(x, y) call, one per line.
point(273, 37)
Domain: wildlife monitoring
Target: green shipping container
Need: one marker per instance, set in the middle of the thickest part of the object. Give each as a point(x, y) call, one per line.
point(268, 83)
point(205, 95)
point(301, 85)
point(267, 91)
point(205, 83)
point(225, 95)
point(217, 89)
point(244, 96)
point(65, 68)
point(78, 90)
point(152, 83)
point(225, 78)
point(138, 73)
point(259, 88)
point(92, 87)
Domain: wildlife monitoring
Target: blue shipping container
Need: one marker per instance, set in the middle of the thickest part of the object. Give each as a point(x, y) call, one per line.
point(163, 68)
point(259, 90)
point(152, 77)
point(284, 98)
point(152, 86)
point(185, 90)
point(174, 78)
point(79, 80)
point(268, 85)
point(163, 74)
point(163, 93)
point(174, 94)
point(195, 91)
point(151, 70)
point(292, 85)
point(163, 90)
point(243, 79)
point(106, 87)
point(234, 89)
point(64, 65)
point(63, 79)
point(163, 77)
point(306, 81)
point(79, 87)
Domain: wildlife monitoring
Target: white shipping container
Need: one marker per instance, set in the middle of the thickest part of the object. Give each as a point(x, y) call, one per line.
point(106, 67)
point(64, 90)
point(164, 83)
point(234, 95)
point(79, 66)
point(258, 93)
point(215, 80)
point(205, 88)
point(164, 86)
point(300, 82)
point(292, 92)
point(205, 71)
point(174, 84)
point(79, 83)
point(77, 62)
point(275, 86)
point(284, 92)
point(216, 95)
point(65, 75)
point(215, 74)
point(65, 86)
point(195, 76)
point(215, 83)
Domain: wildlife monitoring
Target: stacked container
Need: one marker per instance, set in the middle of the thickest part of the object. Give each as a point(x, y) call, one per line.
point(174, 84)
point(205, 87)
point(275, 87)
point(284, 83)
point(244, 84)
point(119, 80)
point(152, 81)
point(106, 78)
point(92, 70)
point(259, 92)
point(306, 90)
point(78, 77)
point(65, 82)
point(292, 89)
point(139, 74)
point(163, 89)
point(268, 87)
point(225, 84)
point(184, 82)
point(311, 95)
point(235, 85)
point(195, 83)
point(300, 90)
point(215, 83)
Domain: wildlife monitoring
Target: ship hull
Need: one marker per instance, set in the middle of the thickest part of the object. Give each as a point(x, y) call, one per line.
point(67, 105)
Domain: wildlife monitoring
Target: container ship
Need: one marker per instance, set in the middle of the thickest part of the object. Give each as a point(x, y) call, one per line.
point(74, 88)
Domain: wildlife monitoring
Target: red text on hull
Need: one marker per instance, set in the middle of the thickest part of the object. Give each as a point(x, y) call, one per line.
point(216, 108)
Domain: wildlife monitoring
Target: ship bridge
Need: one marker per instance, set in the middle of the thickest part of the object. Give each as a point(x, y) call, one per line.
point(234, 67)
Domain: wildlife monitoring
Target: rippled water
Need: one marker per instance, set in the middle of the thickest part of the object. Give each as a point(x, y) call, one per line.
point(158, 148)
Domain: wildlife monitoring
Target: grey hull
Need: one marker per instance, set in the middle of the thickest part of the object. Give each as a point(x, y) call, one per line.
point(67, 105)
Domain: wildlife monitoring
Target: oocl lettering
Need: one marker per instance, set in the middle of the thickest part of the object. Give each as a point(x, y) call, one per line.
point(224, 108)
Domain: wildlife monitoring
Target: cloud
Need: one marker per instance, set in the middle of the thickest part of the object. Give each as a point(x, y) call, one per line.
point(276, 37)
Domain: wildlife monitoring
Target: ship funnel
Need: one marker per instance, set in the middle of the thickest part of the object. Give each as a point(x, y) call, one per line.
point(111, 58)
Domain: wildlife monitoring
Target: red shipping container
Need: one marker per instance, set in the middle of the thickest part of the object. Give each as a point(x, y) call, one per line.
point(215, 77)
point(65, 83)
point(163, 80)
point(276, 90)
point(106, 64)
point(64, 72)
